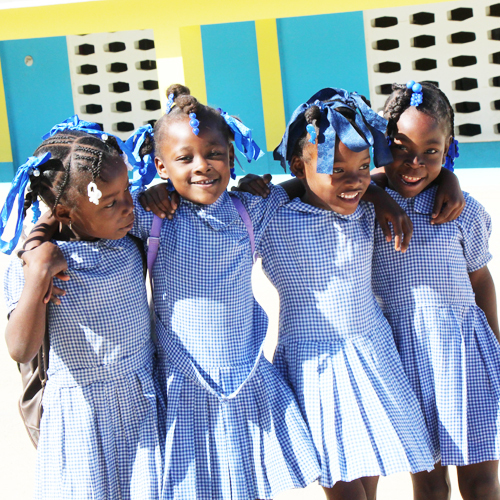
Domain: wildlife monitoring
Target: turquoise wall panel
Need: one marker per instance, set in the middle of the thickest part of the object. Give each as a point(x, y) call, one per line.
point(321, 51)
point(233, 80)
point(478, 155)
point(6, 171)
point(37, 96)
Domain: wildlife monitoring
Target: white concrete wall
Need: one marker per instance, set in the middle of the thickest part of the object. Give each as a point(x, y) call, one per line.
point(17, 456)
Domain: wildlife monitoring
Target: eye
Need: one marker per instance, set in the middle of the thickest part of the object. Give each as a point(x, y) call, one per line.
point(214, 154)
point(401, 147)
point(111, 205)
point(365, 167)
point(184, 159)
point(129, 185)
point(431, 151)
point(337, 170)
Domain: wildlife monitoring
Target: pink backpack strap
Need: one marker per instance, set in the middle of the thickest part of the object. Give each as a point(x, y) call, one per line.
point(153, 242)
point(247, 221)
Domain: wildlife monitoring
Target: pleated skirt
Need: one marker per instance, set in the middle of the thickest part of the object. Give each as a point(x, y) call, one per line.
point(363, 415)
point(452, 359)
point(251, 447)
point(100, 441)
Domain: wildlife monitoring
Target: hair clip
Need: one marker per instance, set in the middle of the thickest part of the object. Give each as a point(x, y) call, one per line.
point(170, 103)
point(312, 132)
point(104, 137)
point(417, 97)
point(94, 193)
point(194, 123)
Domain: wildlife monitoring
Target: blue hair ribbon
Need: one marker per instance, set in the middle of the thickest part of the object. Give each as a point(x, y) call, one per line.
point(144, 169)
point(333, 124)
point(242, 139)
point(451, 155)
point(74, 123)
point(18, 188)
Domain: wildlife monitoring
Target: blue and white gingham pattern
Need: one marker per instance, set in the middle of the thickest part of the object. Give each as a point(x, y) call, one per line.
point(257, 444)
point(99, 429)
point(336, 348)
point(448, 351)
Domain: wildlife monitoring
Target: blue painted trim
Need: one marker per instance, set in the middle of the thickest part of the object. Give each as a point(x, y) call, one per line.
point(37, 96)
point(478, 155)
point(6, 171)
point(321, 51)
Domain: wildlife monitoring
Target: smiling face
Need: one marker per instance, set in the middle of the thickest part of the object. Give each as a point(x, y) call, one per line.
point(114, 216)
point(340, 191)
point(198, 165)
point(419, 150)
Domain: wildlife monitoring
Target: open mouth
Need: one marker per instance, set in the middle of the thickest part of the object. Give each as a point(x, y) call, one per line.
point(409, 180)
point(350, 197)
point(204, 183)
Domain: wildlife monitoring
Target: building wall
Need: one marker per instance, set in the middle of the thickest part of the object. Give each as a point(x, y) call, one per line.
point(258, 63)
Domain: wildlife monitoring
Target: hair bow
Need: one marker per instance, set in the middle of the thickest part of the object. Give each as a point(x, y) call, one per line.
point(18, 188)
point(242, 139)
point(74, 123)
point(144, 169)
point(333, 124)
point(451, 155)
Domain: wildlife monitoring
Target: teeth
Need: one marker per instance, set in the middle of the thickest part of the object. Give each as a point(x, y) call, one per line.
point(410, 179)
point(348, 196)
point(203, 182)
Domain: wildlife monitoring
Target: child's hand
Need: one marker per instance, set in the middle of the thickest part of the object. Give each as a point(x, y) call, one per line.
point(158, 200)
point(449, 201)
point(47, 261)
point(254, 184)
point(390, 212)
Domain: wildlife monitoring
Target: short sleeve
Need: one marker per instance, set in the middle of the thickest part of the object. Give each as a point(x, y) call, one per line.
point(142, 219)
point(13, 283)
point(262, 210)
point(475, 223)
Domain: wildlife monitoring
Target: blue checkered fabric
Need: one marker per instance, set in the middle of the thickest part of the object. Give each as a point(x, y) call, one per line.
point(336, 348)
point(99, 430)
point(210, 329)
point(448, 351)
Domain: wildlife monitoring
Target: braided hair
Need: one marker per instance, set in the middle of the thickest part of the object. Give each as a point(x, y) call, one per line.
point(72, 153)
point(185, 104)
point(435, 104)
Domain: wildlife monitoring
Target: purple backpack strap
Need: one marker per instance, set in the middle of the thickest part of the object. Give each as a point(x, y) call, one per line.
point(247, 221)
point(153, 242)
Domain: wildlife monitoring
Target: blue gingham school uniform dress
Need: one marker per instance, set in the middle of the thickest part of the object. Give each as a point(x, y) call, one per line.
point(447, 348)
point(336, 348)
point(224, 440)
point(98, 435)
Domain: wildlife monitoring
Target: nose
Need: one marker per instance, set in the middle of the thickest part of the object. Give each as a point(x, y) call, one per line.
point(414, 161)
point(352, 179)
point(202, 165)
point(128, 204)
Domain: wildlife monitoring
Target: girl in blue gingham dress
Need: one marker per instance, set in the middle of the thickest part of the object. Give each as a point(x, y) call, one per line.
point(98, 433)
point(233, 427)
point(439, 300)
point(335, 346)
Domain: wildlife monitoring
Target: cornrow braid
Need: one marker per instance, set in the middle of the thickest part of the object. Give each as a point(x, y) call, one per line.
point(435, 103)
point(72, 152)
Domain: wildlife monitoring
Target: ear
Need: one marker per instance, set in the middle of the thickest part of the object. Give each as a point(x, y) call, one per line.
point(446, 147)
point(231, 155)
point(62, 214)
point(298, 167)
point(161, 169)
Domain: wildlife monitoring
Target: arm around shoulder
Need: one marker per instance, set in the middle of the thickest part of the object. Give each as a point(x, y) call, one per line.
point(26, 327)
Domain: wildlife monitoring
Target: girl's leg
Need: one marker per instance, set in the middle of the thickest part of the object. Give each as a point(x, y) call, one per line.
point(479, 481)
point(370, 485)
point(434, 485)
point(364, 488)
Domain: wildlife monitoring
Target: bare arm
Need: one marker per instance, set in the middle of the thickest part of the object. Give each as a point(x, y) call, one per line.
point(26, 327)
point(484, 289)
point(258, 186)
point(44, 230)
point(388, 211)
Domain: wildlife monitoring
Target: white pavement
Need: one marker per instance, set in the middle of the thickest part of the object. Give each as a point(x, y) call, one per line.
point(17, 455)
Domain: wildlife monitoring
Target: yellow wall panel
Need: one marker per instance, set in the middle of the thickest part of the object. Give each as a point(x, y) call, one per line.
point(5, 148)
point(192, 57)
point(270, 81)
